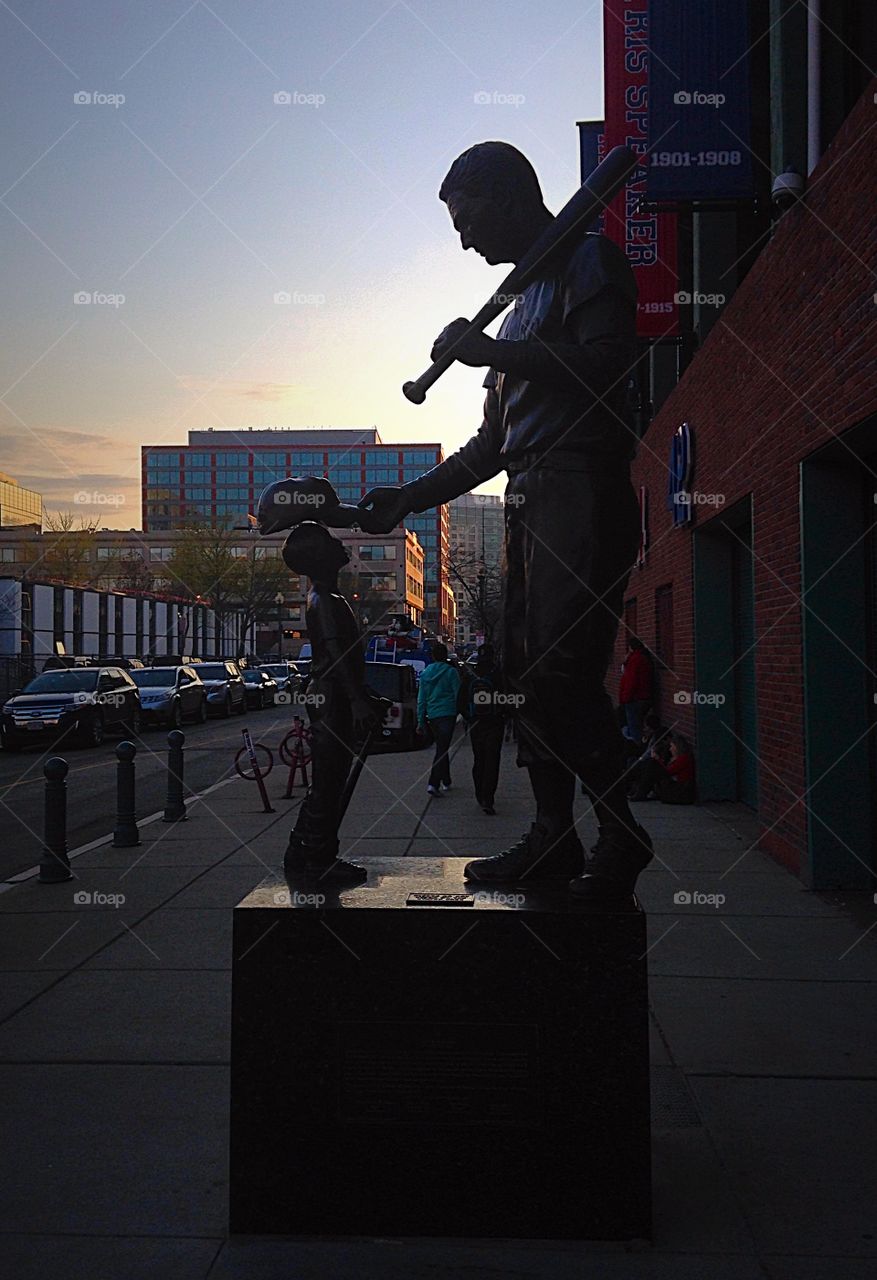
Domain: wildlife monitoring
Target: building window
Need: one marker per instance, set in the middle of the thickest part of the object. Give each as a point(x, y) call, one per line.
point(161, 553)
point(630, 615)
point(384, 582)
point(266, 459)
point(664, 625)
point(379, 552)
point(8, 554)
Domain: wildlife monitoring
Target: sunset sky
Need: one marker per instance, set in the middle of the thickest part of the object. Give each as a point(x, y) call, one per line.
point(199, 198)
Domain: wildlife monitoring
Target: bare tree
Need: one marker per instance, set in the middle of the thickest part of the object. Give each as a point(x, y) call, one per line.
point(257, 580)
point(366, 602)
point(131, 572)
point(206, 565)
point(66, 551)
point(479, 589)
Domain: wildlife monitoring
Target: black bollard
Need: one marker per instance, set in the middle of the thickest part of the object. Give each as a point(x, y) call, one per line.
point(126, 834)
point(175, 805)
point(54, 864)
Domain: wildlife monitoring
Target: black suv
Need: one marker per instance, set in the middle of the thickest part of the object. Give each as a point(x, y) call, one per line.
point(79, 702)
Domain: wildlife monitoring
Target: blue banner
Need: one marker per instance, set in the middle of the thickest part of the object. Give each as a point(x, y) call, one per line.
point(590, 154)
point(699, 100)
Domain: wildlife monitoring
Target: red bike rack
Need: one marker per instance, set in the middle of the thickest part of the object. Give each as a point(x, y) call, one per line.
point(295, 750)
point(249, 749)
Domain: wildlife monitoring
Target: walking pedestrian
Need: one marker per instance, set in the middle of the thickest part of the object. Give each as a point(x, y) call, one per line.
point(486, 718)
point(437, 707)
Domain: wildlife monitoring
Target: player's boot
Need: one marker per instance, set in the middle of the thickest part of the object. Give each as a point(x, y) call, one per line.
point(317, 861)
point(538, 855)
point(611, 874)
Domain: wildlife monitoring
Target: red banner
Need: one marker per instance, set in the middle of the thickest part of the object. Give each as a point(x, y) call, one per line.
point(648, 239)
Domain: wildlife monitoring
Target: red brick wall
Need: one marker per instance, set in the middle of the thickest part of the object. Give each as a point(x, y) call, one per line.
point(790, 362)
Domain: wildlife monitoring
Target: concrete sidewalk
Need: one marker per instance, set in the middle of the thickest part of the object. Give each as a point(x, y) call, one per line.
point(114, 1034)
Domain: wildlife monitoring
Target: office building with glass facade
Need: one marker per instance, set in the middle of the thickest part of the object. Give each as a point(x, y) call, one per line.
point(17, 504)
point(218, 476)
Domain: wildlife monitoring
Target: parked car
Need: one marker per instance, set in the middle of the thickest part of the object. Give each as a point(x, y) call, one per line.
point(260, 688)
point(60, 661)
point(170, 695)
point(397, 682)
point(285, 675)
point(79, 702)
point(225, 687)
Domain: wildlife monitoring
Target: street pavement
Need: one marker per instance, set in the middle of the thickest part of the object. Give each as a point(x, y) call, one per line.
point(114, 1052)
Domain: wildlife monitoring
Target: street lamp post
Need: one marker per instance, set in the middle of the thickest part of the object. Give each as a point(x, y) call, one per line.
point(279, 600)
point(482, 594)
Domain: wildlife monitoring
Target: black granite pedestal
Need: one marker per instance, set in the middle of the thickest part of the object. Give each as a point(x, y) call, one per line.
point(409, 1062)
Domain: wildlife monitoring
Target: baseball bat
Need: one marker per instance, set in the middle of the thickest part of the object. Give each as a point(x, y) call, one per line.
point(558, 239)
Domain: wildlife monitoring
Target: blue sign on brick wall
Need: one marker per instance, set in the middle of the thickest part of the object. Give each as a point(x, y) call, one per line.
point(699, 100)
point(679, 475)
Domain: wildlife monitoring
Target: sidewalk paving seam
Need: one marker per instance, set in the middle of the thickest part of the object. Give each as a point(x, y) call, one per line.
point(806, 982)
point(115, 1062)
point(278, 817)
point(773, 1075)
point(22, 877)
point(452, 755)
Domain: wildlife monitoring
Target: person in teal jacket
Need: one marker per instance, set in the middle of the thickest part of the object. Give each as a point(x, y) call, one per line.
point(437, 707)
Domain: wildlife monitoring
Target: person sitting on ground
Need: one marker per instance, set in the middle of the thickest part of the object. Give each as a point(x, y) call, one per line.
point(674, 782)
point(437, 707)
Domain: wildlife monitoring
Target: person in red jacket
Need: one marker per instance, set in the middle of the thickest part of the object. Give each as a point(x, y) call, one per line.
point(673, 782)
point(635, 692)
